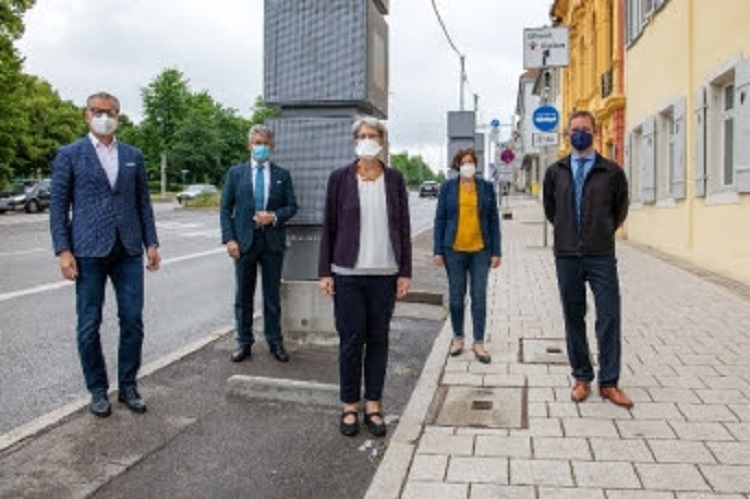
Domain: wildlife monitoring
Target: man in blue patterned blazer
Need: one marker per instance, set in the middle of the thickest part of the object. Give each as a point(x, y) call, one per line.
point(256, 203)
point(101, 220)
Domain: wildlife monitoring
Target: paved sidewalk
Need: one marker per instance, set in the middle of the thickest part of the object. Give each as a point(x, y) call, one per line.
point(685, 364)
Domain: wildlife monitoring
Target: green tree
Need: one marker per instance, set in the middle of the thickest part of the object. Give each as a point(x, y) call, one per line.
point(413, 168)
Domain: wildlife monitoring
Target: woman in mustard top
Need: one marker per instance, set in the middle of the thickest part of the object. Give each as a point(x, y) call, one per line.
point(467, 242)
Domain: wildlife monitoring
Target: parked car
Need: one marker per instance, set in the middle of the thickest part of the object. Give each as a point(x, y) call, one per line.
point(29, 195)
point(429, 188)
point(196, 190)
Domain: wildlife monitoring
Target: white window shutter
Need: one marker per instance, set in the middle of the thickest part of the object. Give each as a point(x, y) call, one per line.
point(680, 143)
point(648, 161)
point(699, 149)
point(742, 125)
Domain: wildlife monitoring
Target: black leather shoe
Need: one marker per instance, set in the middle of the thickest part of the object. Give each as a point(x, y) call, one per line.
point(376, 429)
point(279, 353)
point(349, 429)
point(242, 353)
point(130, 397)
point(100, 406)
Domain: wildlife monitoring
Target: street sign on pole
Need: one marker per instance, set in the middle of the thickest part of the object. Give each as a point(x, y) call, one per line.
point(545, 118)
point(545, 47)
point(495, 123)
point(507, 156)
point(544, 139)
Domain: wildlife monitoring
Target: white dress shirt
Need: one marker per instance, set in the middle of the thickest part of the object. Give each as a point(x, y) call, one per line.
point(108, 157)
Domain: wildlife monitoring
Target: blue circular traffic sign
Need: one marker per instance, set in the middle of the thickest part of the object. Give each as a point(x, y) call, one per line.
point(545, 118)
point(495, 123)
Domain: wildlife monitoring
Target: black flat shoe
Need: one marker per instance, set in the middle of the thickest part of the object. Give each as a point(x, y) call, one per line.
point(100, 406)
point(349, 429)
point(279, 353)
point(376, 429)
point(242, 353)
point(132, 399)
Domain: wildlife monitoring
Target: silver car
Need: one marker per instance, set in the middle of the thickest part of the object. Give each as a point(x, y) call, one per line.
point(195, 191)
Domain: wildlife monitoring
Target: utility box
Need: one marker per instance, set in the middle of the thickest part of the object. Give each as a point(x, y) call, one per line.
point(461, 124)
point(326, 53)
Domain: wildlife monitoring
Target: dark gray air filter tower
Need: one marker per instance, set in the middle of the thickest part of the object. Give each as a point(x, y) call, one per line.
point(326, 62)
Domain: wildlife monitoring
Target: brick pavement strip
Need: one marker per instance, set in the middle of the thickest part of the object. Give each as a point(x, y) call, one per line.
point(683, 365)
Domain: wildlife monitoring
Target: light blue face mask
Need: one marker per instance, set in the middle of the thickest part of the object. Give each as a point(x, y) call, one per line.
point(261, 152)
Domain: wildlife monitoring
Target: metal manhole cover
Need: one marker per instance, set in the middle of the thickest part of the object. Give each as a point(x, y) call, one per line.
point(543, 351)
point(482, 407)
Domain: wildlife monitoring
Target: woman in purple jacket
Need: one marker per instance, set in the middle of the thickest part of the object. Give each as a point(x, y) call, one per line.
point(365, 265)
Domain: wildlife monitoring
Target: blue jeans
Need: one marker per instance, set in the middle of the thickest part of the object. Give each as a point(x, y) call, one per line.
point(601, 274)
point(126, 273)
point(363, 308)
point(246, 275)
point(475, 267)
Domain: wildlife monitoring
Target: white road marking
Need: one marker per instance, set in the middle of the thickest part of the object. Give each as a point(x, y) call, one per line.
point(61, 284)
point(24, 252)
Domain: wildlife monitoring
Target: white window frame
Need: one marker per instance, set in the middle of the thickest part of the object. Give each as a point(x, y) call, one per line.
point(633, 144)
point(665, 160)
point(727, 143)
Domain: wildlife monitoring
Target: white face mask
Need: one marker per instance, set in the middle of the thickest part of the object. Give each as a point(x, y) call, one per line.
point(103, 125)
point(468, 170)
point(367, 148)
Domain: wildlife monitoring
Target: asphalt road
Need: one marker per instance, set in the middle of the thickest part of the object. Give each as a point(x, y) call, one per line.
point(186, 300)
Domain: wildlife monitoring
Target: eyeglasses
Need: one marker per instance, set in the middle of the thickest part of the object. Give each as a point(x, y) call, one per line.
point(112, 113)
point(371, 136)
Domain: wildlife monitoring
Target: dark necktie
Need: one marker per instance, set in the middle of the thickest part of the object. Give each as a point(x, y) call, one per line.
point(260, 189)
point(580, 177)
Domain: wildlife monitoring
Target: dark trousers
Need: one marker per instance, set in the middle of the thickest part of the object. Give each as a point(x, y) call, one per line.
point(246, 275)
point(363, 308)
point(126, 273)
point(601, 274)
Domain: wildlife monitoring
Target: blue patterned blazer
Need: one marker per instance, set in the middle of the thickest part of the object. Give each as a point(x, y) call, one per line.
point(86, 213)
point(238, 207)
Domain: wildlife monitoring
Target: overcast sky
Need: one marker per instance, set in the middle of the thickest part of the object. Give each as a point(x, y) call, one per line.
point(82, 46)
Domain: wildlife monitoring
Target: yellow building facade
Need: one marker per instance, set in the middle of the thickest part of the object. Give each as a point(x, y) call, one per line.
point(594, 79)
point(688, 130)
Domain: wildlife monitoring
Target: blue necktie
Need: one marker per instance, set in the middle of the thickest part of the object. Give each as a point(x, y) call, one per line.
point(260, 190)
point(579, 179)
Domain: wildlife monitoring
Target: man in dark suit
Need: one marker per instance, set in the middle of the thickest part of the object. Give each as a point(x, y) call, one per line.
point(103, 182)
point(257, 201)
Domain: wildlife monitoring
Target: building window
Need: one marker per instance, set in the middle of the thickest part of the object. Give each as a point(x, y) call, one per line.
point(665, 155)
point(727, 134)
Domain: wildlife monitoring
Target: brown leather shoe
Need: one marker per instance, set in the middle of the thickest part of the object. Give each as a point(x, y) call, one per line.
point(616, 396)
point(581, 391)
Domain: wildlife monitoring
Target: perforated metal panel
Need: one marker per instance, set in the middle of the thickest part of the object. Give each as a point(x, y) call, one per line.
point(326, 52)
point(311, 148)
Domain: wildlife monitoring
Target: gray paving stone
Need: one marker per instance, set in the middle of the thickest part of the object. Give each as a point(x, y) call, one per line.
point(605, 474)
point(462, 378)
point(677, 451)
point(638, 494)
point(570, 493)
point(457, 445)
point(540, 472)
point(740, 431)
point(742, 411)
point(707, 413)
point(730, 452)
point(540, 427)
point(716, 396)
point(686, 381)
point(422, 490)
point(645, 429)
point(495, 432)
point(612, 449)
point(602, 409)
point(706, 495)
point(734, 479)
point(674, 395)
point(428, 468)
point(589, 427)
point(701, 431)
point(536, 394)
point(561, 448)
point(491, 491)
point(503, 446)
point(657, 410)
point(563, 409)
point(537, 410)
point(684, 477)
point(478, 470)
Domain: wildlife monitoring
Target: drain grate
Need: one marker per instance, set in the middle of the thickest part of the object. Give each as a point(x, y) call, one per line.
point(482, 405)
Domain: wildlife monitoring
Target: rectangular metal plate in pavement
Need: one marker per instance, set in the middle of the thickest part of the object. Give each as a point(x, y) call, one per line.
point(543, 351)
point(482, 407)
